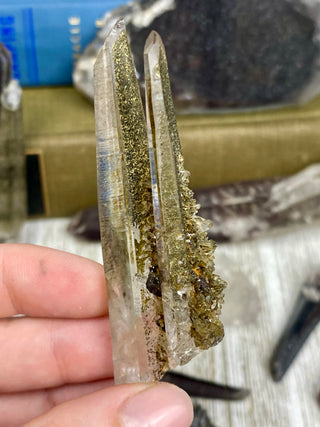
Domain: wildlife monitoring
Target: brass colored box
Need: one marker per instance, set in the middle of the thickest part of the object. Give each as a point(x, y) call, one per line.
point(218, 148)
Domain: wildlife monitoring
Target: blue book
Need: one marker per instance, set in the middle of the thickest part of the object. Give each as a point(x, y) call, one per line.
point(46, 37)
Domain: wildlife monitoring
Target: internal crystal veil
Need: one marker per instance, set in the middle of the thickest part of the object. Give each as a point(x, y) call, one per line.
point(164, 297)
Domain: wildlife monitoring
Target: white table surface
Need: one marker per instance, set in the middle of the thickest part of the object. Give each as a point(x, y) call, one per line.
point(265, 277)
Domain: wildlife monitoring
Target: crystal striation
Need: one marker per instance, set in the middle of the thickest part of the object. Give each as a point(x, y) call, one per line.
point(164, 297)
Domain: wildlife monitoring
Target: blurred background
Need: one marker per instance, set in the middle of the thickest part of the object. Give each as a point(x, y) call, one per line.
point(245, 80)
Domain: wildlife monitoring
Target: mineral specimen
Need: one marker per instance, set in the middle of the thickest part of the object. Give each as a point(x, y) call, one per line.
point(243, 210)
point(164, 297)
point(196, 387)
point(303, 320)
point(248, 209)
point(224, 54)
point(12, 157)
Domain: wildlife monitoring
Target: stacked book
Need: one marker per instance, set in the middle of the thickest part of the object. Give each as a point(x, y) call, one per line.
point(218, 148)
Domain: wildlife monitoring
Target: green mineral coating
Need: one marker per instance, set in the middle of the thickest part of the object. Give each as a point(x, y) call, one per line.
point(174, 226)
point(135, 149)
point(154, 305)
point(137, 168)
point(204, 303)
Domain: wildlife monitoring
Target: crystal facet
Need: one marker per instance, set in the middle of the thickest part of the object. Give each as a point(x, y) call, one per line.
point(164, 298)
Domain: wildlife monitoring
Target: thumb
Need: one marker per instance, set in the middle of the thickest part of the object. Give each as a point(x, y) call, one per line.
point(127, 405)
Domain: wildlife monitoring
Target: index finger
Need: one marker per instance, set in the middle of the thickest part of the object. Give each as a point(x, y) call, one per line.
point(43, 282)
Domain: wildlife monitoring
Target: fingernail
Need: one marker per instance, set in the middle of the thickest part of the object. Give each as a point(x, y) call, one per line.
point(161, 405)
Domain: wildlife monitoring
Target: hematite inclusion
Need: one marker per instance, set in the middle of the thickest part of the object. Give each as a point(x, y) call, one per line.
point(164, 298)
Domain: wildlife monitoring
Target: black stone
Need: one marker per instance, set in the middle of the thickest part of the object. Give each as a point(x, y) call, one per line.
point(233, 53)
point(154, 282)
point(196, 387)
point(304, 318)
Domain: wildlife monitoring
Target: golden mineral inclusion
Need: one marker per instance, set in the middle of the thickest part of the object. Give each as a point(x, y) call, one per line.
point(164, 298)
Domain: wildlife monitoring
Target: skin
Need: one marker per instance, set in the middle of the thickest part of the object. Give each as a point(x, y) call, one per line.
point(55, 363)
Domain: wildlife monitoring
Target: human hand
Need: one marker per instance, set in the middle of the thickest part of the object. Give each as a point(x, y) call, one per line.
point(55, 363)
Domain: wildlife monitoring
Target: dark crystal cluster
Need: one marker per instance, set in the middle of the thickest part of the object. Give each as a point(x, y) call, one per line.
point(233, 53)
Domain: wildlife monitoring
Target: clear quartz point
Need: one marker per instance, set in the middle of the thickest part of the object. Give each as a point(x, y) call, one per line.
point(164, 298)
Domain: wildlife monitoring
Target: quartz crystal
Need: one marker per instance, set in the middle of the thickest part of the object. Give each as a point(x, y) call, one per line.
point(164, 298)
point(243, 210)
point(12, 157)
point(248, 209)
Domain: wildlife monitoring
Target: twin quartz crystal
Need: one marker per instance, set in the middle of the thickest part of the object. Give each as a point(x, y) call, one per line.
point(164, 298)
